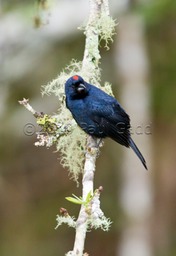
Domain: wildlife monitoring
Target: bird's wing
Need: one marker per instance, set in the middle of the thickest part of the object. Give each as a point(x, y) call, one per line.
point(113, 121)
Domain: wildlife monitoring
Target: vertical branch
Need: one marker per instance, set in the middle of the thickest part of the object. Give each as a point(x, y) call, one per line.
point(87, 186)
point(106, 6)
point(89, 67)
point(91, 53)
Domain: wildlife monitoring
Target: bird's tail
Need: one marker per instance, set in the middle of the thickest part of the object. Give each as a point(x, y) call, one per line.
point(138, 153)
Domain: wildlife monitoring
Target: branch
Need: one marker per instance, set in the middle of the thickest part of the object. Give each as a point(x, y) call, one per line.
point(90, 64)
point(87, 187)
point(25, 103)
point(52, 127)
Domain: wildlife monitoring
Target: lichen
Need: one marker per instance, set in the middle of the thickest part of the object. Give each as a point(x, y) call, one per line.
point(101, 222)
point(106, 27)
point(56, 86)
point(72, 145)
point(107, 88)
point(70, 221)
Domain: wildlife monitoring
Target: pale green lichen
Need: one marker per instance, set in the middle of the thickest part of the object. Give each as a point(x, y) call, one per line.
point(56, 86)
point(70, 221)
point(71, 148)
point(72, 145)
point(106, 27)
point(101, 222)
point(107, 88)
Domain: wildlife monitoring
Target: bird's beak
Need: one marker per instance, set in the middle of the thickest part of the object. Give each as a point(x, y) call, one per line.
point(81, 88)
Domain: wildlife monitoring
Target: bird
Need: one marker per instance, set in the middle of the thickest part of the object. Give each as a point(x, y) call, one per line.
point(98, 113)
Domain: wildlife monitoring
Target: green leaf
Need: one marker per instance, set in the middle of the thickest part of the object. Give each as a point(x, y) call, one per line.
point(75, 199)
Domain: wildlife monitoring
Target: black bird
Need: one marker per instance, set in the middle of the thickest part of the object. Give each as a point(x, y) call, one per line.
point(99, 114)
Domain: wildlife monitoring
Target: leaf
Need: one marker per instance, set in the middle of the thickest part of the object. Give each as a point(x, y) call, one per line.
point(75, 199)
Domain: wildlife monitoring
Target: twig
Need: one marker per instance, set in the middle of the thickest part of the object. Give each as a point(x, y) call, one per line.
point(25, 103)
point(52, 128)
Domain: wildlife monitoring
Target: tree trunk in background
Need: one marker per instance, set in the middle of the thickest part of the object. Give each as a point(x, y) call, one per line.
point(136, 193)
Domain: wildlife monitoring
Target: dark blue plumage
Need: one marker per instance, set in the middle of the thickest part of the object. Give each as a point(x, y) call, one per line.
point(98, 113)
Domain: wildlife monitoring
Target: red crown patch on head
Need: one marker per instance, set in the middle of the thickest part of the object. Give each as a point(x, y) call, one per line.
point(75, 77)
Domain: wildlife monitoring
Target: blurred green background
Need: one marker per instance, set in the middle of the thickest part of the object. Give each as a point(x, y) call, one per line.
point(36, 43)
